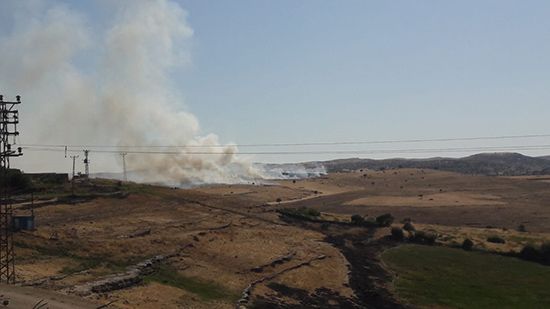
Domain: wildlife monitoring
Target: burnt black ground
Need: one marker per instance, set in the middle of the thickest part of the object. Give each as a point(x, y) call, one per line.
point(367, 278)
point(321, 298)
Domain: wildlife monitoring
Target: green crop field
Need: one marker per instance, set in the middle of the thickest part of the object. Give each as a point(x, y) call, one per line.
point(447, 277)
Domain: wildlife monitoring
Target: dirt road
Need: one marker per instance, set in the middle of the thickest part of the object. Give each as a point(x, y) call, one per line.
point(25, 297)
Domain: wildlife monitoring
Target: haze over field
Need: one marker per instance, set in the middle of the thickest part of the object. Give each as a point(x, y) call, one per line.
point(144, 73)
point(128, 98)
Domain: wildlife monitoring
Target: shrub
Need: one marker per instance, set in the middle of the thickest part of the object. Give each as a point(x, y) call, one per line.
point(521, 228)
point(278, 200)
point(15, 180)
point(310, 212)
point(536, 254)
point(530, 253)
point(384, 220)
point(357, 220)
point(408, 226)
point(545, 252)
point(370, 221)
point(467, 244)
point(302, 212)
point(427, 238)
point(496, 239)
point(397, 233)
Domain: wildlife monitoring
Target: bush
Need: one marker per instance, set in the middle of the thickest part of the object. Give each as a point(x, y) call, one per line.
point(521, 228)
point(496, 239)
point(310, 212)
point(427, 238)
point(537, 254)
point(384, 220)
point(278, 200)
point(371, 221)
point(530, 253)
point(467, 244)
point(357, 220)
point(408, 226)
point(545, 252)
point(300, 212)
point(15, 180)
point(397, 233)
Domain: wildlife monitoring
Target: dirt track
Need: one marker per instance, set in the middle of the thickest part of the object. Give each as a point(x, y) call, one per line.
point(25, 297)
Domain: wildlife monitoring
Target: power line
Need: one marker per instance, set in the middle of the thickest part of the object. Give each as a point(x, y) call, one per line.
point(358, 151)
point(500, 137)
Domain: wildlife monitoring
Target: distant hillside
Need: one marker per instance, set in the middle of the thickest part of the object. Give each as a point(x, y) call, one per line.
point(508, 164)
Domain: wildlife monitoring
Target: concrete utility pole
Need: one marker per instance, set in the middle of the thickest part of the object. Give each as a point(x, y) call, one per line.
point(72, 179)
point(86, 163)
point(9, 118)
point(74, 160)
point(123, 155)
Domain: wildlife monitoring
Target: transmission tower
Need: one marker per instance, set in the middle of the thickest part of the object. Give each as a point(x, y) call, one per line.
point(9, 118)
point(86, 163)
point(123, 155)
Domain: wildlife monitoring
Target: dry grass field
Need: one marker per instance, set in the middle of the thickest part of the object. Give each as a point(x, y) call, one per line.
point(214, 240)
point(434, 197)
point(213, 243)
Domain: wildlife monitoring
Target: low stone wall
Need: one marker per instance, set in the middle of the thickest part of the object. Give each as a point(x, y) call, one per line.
point(243, 302)
point(129, 278)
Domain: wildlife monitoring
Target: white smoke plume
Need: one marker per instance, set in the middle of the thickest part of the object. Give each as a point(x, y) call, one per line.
point(112, 87)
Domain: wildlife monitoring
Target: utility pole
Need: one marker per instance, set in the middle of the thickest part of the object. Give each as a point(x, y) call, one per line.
point(9, 118)
point(86, 163)
point(123, 155)
point(72, 179)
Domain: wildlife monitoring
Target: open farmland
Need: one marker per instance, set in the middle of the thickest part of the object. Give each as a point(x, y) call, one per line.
point(132, 245)
point(213, 246)
point(443, 277)
point(434, 197)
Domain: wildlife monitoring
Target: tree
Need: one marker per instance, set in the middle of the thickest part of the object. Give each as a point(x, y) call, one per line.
point(384, 220)
point(15, 180)
point(357, 220)
point(397, 233)
point(467, 244)
point(408, 226)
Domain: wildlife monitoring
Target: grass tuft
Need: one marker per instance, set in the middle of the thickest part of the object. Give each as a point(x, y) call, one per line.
point(205, 290)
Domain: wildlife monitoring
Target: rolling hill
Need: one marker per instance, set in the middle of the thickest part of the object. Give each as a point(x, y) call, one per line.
point(506, 164)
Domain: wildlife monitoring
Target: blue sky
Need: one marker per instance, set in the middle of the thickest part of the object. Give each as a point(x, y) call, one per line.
point(329, 70)
point(346, 70)
point(307, 71)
